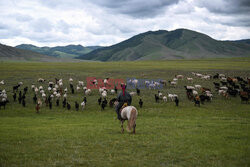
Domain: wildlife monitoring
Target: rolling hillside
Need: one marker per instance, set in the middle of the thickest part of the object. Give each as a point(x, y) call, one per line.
point(177, 44)
point(8, 53)
point(69, 51)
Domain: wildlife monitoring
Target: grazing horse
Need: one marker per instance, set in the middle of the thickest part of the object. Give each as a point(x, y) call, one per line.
point(128, 113)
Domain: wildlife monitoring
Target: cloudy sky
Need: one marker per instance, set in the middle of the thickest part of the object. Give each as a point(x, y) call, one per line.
point(106, 22)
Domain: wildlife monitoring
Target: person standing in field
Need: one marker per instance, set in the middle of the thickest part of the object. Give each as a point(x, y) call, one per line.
point(123, 97)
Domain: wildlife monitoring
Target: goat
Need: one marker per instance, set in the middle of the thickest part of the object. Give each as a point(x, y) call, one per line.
point(140, 103)
point(76, 106)
point(83, 105)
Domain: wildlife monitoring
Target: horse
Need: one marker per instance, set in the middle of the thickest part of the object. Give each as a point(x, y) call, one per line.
point(128, 113)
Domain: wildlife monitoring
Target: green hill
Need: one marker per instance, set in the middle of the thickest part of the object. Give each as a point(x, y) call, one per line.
point(8, 53)
point(69, 51)
point(177, 44)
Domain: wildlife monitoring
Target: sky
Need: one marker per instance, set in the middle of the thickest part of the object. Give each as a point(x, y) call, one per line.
point(107, 22)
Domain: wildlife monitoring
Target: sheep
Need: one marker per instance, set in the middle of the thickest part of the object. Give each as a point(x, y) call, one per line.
point(83, 105)
point(198, 75)
point(43, 95)
point(3, 91)
point(224, 88)
point(222, 75)
point(40, 87)
point(132, 93)
point(104, 94)
point(147, 83)
point(60, 84)
point(195, 92)
point(163, 82)
point(2, 82)
point(33, 87)
point(15, 88)
point(223, 79)
point(157, 84)
point(209, 94)
point(41, 80)
point(84, 88)
point(173, 83)
point(159, 94)
point(197, 87)
point(175, 79)
point(179, 76)
point(172, 96)
point(78, 88)
point(36, 90)
point(58, 95)
point(112, 91)
point(206, 77)
point(164, 98)
point(111, 102)
point(220, 92)
point(135, 81)
point(100, 90)
point(190, 79)
point(151, 86)
point(49, 88)
point(88, 92)
point(105, 81)
point(80, 83)
point(189, 87)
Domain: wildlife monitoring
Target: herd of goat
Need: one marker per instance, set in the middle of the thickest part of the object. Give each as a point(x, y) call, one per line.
point(57, 91)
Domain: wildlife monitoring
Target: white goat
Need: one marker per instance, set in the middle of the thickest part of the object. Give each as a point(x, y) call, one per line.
point(83, 105)
point(164, 98)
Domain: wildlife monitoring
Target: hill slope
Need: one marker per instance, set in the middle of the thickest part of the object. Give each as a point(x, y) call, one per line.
point(69, 51)
point(8, 53)
point(177, 44)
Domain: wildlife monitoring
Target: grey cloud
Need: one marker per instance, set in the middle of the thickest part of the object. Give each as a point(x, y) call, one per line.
point(42, 25)
point(23, 18)
point(226, 6)
point(136, 8)
point(234, 12)
point(63, 26)
point(3, 26)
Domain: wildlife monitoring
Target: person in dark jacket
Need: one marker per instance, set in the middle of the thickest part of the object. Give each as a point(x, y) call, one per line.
point(123, 97)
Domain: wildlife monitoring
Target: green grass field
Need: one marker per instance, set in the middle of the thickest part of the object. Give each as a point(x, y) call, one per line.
point(216, 134)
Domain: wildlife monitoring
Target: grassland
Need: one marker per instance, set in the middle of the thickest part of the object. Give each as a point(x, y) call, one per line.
point(216, 134)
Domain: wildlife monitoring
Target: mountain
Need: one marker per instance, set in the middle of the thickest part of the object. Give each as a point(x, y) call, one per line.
point(8, 53)
point(247, 41)
point(177, 44)
point(69, 51)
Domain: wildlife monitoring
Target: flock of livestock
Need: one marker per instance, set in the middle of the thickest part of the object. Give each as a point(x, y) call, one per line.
point(57, 92)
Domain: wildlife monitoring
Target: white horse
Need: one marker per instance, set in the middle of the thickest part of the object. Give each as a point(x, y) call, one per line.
point(128, 113)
